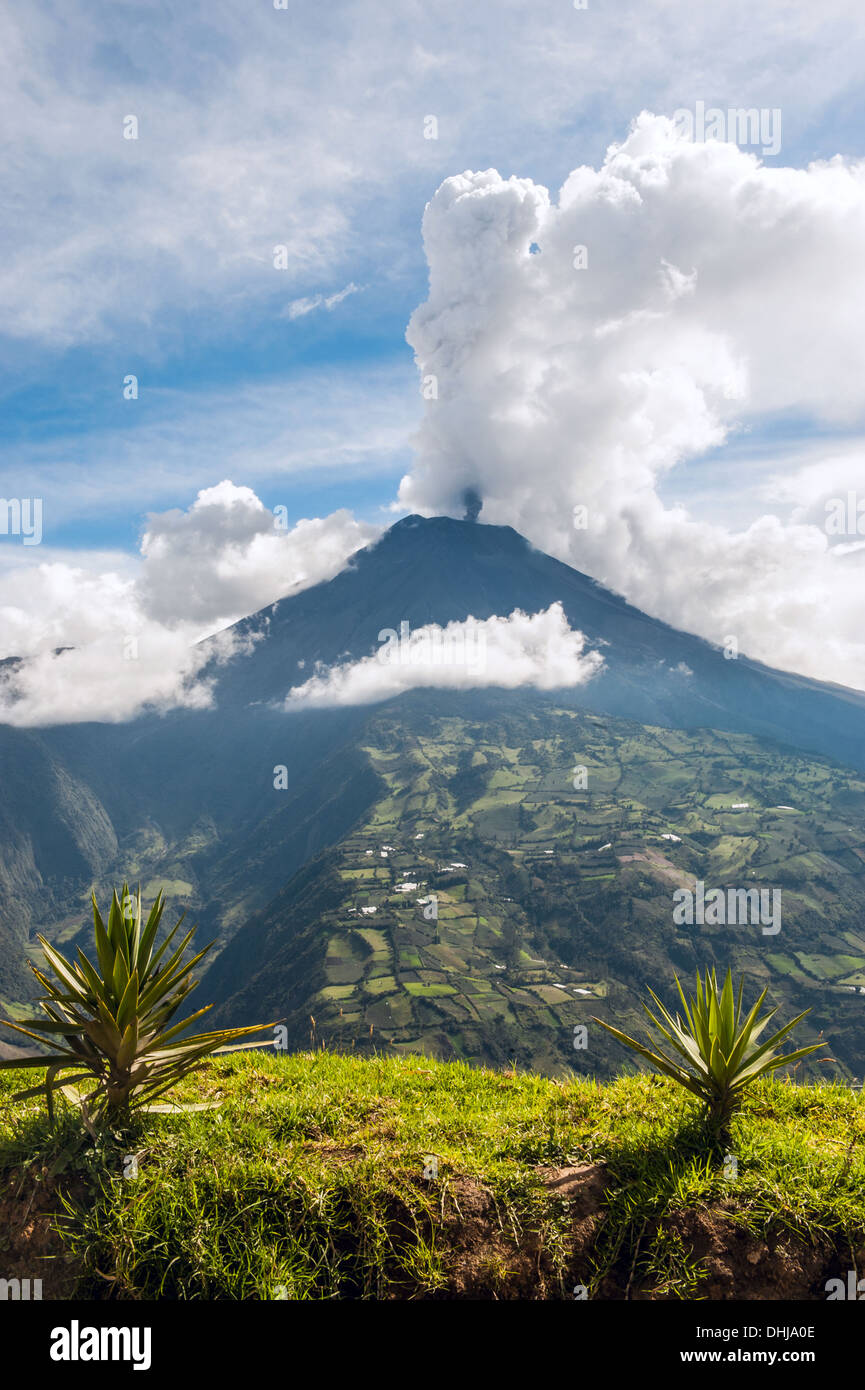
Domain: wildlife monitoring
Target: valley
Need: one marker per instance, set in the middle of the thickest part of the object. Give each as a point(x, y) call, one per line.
point(485, 908)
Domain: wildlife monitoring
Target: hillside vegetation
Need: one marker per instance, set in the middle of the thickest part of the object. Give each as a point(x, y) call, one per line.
point(193, 799)
point(554, 902)
point(322, 1176)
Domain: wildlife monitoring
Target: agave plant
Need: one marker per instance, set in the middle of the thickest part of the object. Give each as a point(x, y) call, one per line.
point(719, 1048)
point(110, 1025)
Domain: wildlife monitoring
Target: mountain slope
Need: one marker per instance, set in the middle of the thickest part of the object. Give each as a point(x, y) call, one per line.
point(554, 904)
point(191, 799)
point(441, 570)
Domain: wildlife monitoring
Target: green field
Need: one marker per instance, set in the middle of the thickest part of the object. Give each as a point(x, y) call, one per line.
point(540, 888)
point(320, 1176)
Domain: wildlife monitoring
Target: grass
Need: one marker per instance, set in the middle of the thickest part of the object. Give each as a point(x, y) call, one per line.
point(308, 1181)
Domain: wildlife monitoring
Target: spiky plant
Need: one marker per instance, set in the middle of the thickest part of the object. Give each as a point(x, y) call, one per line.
point(110, 1025)
point(719, 1048)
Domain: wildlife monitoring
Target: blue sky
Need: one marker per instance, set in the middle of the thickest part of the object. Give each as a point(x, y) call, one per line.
point(281, 238)
point(150, 256)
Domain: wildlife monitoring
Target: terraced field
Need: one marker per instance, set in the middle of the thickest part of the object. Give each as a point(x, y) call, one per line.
point(494, 901)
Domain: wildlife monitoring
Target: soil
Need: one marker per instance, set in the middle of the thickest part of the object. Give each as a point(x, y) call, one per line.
point(488, 1259)
point(30, 1247)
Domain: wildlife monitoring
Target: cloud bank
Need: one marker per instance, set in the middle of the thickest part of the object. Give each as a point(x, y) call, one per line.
point(539, 650)
point(129, 628)
point(114, 678)
point(584, 349)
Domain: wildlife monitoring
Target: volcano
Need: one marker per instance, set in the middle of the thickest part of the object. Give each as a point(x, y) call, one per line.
point(239, 808)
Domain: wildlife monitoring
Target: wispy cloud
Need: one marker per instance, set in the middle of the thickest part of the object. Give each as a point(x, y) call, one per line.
point(336, 422)
point(260, 127)
point(299, 308)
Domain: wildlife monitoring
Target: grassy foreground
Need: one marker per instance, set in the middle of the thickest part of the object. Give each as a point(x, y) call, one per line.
point(308, 1181)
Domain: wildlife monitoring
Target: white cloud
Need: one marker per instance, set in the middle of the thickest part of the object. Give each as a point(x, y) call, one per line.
point(261, 127)
point(133, 625)
point(228, 555)
point(538, 650)
point(299, 308)
point(64, 598)
point(817, 478)
point(716, 290)
point(111, 679)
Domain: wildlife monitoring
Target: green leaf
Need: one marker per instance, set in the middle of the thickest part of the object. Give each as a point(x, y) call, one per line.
point(114, 1014)
point(128, 1008)
point(128, 1045)
point(719, 1047)
point(103, 946)
point(63, 969)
